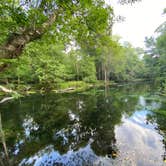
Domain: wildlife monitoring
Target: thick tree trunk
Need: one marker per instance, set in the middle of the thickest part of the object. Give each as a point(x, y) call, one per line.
point(17, 41)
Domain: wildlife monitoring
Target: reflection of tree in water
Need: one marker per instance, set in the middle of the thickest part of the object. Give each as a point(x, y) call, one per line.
point(85, 117)
point(4, 160)
point(159, 117)
point(68, 122)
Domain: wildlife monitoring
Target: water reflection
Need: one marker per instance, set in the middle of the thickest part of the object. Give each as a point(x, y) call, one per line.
point(91, 128)
point(4, 153)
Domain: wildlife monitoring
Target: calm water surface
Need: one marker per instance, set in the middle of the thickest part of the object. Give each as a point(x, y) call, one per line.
point(123, 126)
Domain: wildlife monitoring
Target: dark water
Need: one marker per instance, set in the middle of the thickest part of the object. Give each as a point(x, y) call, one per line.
point(123, 126)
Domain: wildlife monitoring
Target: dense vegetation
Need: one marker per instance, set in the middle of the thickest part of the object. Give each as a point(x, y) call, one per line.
point(66, 44)
point(48, 43)
point(155, 56)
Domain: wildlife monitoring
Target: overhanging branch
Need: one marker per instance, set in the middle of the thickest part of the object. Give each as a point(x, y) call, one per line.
point(17, 41)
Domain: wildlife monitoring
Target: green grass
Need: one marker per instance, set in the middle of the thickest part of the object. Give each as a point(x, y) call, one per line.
point(74, 84)
point(70, 86)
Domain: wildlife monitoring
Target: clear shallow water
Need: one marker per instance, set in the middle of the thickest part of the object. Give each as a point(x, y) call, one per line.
point(123, 126)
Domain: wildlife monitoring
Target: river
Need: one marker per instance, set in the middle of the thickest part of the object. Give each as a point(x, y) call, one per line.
point(121, 126)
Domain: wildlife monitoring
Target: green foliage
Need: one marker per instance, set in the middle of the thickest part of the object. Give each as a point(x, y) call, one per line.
point(155, 60)
point(96, 54)
point(72, 85)
point(46, 64)
point(125, 64)
point(97, 19)
point(88, 70)
point(164, 89)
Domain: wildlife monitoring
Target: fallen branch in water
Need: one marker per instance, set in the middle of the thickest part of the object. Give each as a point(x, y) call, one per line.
point(13, 93)
point(6, 99)
point(6, 90)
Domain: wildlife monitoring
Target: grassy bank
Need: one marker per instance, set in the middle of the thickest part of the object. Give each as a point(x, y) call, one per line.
point(63, 87)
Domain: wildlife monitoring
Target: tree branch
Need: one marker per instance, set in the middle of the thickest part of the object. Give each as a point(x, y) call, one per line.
point(6, 90)
point(16, 42)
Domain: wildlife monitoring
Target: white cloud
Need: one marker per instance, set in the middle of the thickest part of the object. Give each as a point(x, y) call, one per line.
point(142, 19)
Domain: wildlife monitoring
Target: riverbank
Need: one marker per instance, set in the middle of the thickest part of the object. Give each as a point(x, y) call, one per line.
point(19, 90)
point(16, 91)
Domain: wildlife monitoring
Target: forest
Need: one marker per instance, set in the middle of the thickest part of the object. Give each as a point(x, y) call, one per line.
point(71, 90)
point(51, 45)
